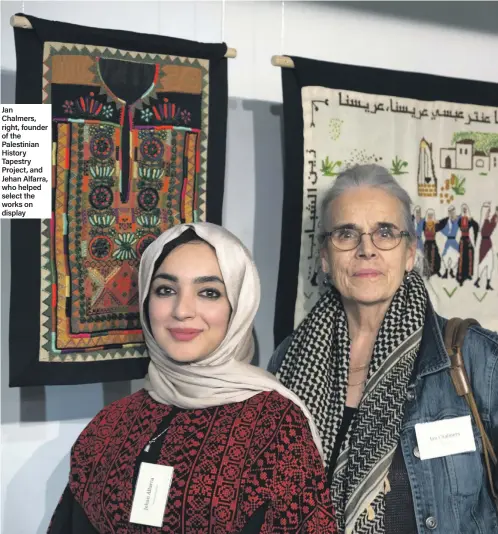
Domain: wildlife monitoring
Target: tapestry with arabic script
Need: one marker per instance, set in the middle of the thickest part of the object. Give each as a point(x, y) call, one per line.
point(138, 145)
point(437, 136)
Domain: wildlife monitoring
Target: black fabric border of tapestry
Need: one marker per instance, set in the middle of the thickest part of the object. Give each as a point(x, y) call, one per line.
point(24, 329)
point(310, 72)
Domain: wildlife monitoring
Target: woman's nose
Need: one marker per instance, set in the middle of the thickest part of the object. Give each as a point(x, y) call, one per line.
point(366, 248)
point(184, 306)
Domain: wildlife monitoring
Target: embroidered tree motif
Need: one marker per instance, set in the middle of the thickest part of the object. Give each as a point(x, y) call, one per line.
point(397, 166)
point(330, 168)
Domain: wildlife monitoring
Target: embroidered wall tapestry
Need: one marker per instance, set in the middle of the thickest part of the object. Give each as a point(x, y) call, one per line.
point(438, 137)
point(139, 135)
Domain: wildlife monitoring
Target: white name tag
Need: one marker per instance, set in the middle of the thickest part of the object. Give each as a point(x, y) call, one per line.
point(151, 494)
point(443, 438)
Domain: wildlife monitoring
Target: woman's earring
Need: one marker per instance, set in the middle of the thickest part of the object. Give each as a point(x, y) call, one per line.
point(408, 277)
point(327, 282)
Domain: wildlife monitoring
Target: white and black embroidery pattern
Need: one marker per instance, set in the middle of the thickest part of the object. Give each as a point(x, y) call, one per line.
point(316, 368)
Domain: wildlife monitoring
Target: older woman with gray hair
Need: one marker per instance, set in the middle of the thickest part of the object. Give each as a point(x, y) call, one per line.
point(369, 361)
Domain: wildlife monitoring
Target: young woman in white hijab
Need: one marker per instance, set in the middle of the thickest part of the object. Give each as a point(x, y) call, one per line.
point(243, 451)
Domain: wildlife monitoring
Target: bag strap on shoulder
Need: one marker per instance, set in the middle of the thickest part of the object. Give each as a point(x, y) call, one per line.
point(454, 335)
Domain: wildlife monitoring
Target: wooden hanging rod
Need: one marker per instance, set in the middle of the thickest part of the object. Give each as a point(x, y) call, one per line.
point(22, 22)
point(282, 61)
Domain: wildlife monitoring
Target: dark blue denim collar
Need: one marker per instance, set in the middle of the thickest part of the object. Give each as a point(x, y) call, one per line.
point(433, 356)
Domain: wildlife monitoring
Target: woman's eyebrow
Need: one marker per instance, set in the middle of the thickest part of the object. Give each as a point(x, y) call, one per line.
point(197, 280)
point(204, 279)
point(165, 276)
point(351, 226)
point(347, 226)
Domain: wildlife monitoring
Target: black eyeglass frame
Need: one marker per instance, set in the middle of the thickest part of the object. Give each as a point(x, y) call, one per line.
point(402, 233)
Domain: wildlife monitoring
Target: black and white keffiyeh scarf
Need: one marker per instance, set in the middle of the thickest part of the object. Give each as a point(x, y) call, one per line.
point(316, 368)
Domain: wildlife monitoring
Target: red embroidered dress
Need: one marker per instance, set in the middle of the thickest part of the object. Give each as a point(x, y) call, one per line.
point(488, 227)
point(239, 468)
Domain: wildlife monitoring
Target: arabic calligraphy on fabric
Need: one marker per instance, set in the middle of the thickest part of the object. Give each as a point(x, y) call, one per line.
point(417, 112)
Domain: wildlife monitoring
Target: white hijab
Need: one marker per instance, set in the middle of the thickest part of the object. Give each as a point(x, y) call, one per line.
point(226, 376)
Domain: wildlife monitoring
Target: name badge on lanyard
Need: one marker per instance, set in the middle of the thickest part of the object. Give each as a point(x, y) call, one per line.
point(151, 494)
point(446, 437)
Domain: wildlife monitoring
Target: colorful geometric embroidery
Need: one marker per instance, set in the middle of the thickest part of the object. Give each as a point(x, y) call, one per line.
point(130, 159)
point(228, 461)
point(138, 145)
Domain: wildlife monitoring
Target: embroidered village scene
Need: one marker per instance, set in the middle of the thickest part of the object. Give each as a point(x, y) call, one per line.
point(445, 155)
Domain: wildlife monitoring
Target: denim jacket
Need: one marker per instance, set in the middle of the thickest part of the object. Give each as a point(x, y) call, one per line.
point(450, 494)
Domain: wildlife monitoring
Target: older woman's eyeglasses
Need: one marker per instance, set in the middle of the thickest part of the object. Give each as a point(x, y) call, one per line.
point(349, 238)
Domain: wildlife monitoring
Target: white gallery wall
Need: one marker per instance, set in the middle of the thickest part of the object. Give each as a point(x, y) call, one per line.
point(457, 39)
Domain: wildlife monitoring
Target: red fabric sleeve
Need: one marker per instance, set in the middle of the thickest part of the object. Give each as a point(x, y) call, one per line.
point(301, 499)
